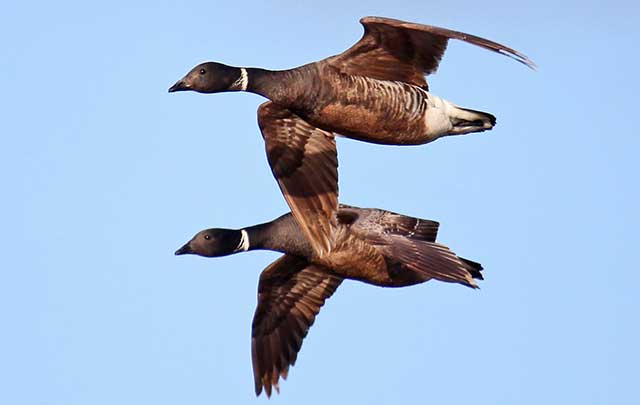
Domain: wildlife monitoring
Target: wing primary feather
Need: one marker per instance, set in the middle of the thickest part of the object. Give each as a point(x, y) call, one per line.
point(291, 292)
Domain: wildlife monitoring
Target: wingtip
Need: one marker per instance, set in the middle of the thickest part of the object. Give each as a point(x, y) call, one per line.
point(520, 57)
point(528, 62)
point(268, 389)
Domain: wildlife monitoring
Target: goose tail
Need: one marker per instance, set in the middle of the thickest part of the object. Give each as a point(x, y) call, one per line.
point(465, 121)
point(443, 118)
point(431, 260)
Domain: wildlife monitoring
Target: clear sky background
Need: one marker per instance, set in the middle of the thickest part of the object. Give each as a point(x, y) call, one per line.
point(104, 175)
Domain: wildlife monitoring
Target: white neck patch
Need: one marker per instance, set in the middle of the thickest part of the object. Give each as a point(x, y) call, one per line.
point(242, 82)
point(244, 241)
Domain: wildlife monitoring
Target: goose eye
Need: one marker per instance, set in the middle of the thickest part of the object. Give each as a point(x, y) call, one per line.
point(207, 237)
point(202, 71)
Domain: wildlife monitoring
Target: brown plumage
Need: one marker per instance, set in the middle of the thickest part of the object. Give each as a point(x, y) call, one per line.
point(304, 161)
point(375, 92)
point(291, 292)
point(402, 51)
point(370, 245)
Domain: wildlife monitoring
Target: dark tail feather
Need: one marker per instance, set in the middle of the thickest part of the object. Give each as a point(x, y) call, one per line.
point(465, 121)
point(433, 260)
point(480, 116)
point(474, 268)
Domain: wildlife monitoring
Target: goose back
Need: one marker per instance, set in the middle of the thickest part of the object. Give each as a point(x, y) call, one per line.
point(363, 108)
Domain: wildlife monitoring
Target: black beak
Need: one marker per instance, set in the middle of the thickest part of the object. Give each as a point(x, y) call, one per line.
point(179, 86)
point(186, 249)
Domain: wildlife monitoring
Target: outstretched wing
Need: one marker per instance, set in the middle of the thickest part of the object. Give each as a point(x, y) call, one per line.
point(290, 294)
point(375, 223)
point(304, 160)
point(397, 50)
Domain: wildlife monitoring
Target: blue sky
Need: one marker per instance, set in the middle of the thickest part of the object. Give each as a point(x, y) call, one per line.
point(105, 175)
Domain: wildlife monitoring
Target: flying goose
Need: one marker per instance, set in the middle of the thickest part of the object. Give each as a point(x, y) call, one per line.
point(371, 245)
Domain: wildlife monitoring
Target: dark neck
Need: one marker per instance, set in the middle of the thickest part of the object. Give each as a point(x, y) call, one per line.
point(281, 234)
point(280, 86)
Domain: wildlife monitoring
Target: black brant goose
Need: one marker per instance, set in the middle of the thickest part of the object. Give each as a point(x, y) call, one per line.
point(375, 91)
point(370, 245)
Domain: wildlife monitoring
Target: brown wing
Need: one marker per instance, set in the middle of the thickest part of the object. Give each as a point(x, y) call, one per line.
point(397, 50)
point(375, 223)
point(304, 160)
point(290, 294)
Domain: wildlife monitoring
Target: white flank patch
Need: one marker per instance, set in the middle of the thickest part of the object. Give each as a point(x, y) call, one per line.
point(242, 82)
point(244, 241)
point(437, 117)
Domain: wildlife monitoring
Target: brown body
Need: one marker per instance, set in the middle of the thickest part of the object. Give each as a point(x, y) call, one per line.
point(358, 107)
point(370, 246)
point(356, 255)
point(371, 266)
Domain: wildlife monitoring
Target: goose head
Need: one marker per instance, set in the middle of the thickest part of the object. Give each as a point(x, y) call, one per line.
point(212, 77)
point(215, 243)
